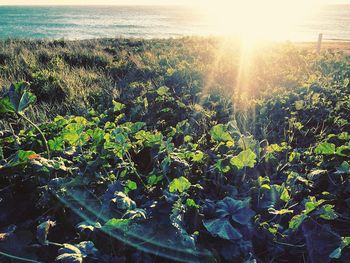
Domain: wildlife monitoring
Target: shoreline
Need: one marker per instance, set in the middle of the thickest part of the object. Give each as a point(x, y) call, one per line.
point(335, 45)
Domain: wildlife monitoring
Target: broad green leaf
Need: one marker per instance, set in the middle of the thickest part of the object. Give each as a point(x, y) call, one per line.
point(115, 223)
point(131, 185)
point(117, 106)
point(26, 99)
point(219, 133)
point(162, 91)
point(154, 179)
point(294, 156)
point(221, 166)
point(149, 139)
point(327, 212)
point(245, 158)
point(6, 106)
point(80, 120)
point(96, 135)
point(285, 195)
point(21, 157)
point(274, 148)
point(56, 144)
point(312, 204)
point(228, 206)
point(299, 105)
point(336, 253)
point(198, 156)
point(346, 242)
point(74, 134)
point(18, 99)
point(191, 203)
point(344, 136)
point(221, 227)
point(296, 221)
point(243, 216)
point(188, 138)
point(325, 148)
point(180, 185)
point(343, 150)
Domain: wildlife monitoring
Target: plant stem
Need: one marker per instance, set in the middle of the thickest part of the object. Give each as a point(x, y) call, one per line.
point(39, 130)
point(18, 258)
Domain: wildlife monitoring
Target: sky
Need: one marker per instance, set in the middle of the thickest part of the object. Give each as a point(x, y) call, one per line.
point(131, 2)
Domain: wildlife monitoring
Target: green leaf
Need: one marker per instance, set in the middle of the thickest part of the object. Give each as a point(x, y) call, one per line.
point(180, 185)
point(188, 138)
point(325, 148)
point(218, 133)
point(245, 158)
point(21, 158)
point(198, 156)
point(162, 91)
point(336, 253)
point(74, 134)
point(285, 195)
point(26, 99)
point(131, 185)
point(149, 139)
point(222, 167)
point(346, 242)
point(222, 227)
point(191, 203)
point(243, 216)
point(56, 144)
point(327, 212)
point(296, 221)
point(299, 105)
point(294, 156)
point(18, 99)
point(115, 223)
point(154, 179)
point(6, 106)
point(117, 106)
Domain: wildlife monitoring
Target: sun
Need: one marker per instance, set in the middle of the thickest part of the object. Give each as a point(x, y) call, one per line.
point(256, 19)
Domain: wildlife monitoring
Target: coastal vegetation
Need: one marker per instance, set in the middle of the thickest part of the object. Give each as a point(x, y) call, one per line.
point(190, 150)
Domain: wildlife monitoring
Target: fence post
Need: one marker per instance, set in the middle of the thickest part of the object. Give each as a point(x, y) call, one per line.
point(319, 42)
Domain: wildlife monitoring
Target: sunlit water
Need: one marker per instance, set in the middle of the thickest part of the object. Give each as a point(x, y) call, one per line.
point(150, 22)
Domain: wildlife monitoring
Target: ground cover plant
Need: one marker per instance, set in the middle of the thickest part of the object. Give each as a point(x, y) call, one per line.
point(173, 150)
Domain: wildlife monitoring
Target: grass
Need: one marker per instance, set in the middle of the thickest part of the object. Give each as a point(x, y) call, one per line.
point(71, 76)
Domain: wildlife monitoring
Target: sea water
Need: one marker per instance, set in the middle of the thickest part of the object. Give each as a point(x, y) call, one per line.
point(86, 22)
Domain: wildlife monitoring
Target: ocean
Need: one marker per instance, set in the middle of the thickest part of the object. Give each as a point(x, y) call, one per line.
point(86, 22)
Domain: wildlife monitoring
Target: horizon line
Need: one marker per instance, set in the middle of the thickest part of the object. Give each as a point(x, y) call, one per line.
point(143, 4)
